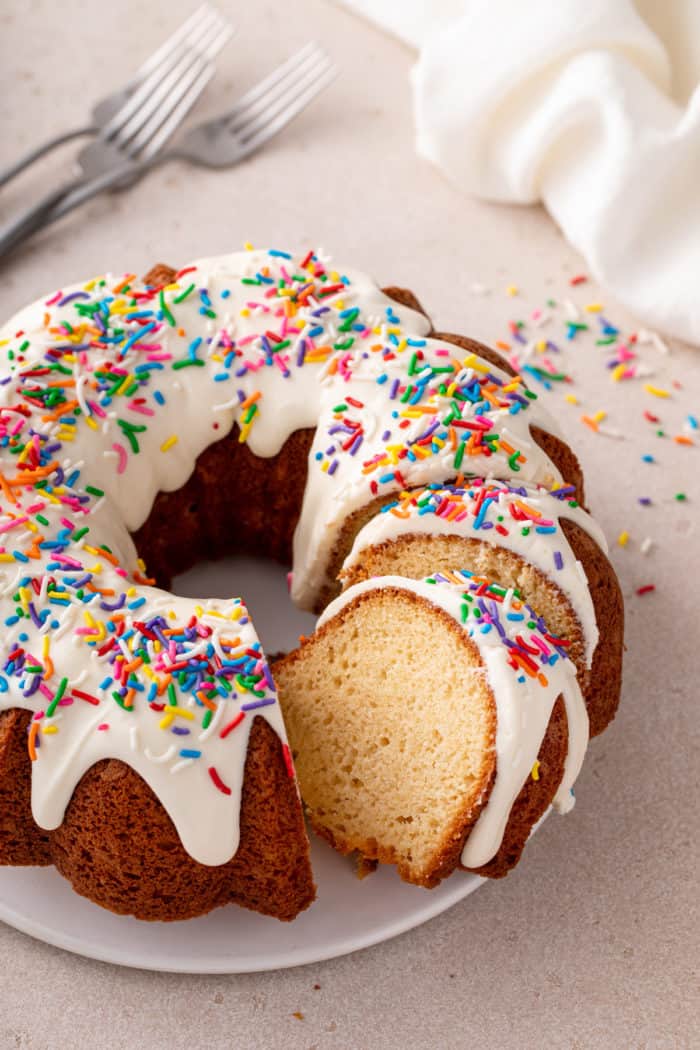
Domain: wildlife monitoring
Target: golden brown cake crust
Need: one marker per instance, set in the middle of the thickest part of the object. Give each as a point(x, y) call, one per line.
point(159, 275)
point(605, 676)
point(119, 847)
point(207, 518)
point(21, 840)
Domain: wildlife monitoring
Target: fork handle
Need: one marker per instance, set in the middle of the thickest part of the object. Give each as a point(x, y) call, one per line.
point(32, 218)
point(63, 200)
point(38, 151)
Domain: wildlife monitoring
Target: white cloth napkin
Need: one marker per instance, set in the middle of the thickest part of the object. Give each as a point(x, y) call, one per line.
point(591, 106)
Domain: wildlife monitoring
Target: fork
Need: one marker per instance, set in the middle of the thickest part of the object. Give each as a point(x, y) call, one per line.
point(108, 107)
point(227, 139)
point(142, 125)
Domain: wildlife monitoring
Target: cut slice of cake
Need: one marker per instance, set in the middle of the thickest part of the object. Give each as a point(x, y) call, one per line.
point(432, 723)
point(542, 543)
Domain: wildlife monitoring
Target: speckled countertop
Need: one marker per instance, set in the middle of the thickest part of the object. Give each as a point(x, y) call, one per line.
point(593, 940)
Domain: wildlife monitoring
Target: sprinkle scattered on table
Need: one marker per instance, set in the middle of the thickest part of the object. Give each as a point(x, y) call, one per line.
point(546, 345)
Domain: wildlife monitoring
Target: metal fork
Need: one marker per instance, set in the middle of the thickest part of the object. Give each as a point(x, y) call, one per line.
point(229, 138)
point(142, 125)
point(103, 111)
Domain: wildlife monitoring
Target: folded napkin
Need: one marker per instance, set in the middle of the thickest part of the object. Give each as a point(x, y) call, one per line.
point(591, 106)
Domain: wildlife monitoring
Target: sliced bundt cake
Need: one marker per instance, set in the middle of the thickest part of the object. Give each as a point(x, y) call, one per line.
point(432, 722)
point(541, 542)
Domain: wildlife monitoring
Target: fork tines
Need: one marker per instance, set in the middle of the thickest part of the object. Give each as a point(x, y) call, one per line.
point(285, 92)
point(190, 26)
point(180, 64)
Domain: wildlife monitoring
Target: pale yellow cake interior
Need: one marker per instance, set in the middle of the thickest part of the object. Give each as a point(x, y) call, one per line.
point(416, 556)
point(392, 726)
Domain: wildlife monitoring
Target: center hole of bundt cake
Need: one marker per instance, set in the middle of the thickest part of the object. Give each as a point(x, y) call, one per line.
point(228, 531)
point(262, 583)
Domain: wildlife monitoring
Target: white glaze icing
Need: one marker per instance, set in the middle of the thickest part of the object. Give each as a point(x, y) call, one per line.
point(60, 637)
point(369, 386)
point(535, 534)
point(523, 703)
point(194, 398)
point(114, 359)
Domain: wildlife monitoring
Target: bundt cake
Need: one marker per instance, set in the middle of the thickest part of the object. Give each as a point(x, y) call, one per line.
point(238, 404)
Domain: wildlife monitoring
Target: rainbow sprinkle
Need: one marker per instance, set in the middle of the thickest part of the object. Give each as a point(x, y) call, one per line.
point(98, 362)
point(532, 649)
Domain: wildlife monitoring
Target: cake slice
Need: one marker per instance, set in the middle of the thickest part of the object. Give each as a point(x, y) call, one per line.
point(524, 536)
point(432, 723)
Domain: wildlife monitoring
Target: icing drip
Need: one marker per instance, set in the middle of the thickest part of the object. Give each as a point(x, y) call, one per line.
point(113, 668)
point(109, 390)
point(520, 517)
point(142, 382)
point(407, 412)
point(527, 670)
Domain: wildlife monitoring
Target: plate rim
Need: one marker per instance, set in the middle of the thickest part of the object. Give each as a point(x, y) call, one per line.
point(288, 958)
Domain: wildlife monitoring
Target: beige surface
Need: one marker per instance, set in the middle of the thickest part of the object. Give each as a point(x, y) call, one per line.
point(593, 941)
